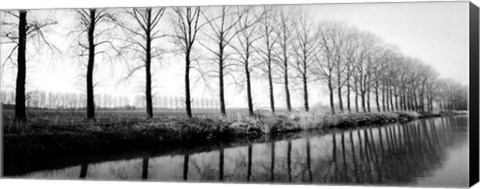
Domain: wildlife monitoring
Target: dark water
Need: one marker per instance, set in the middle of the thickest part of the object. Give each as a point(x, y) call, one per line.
point(429, 152)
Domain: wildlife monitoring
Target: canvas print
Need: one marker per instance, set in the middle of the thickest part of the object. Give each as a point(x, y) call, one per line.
point(325, 94)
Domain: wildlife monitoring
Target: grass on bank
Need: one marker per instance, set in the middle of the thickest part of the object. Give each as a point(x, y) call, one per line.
point(41, 135)
point(236, 125)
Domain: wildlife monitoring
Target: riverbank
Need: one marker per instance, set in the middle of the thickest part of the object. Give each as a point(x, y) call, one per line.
point(90, 137)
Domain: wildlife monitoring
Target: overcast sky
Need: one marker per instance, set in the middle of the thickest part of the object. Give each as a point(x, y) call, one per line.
point(436, 33)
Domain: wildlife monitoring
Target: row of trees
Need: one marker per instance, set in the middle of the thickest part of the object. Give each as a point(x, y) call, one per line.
point(51, 100)
point(282, 43)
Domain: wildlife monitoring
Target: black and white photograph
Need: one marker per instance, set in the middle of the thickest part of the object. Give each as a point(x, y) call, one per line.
point(355, 94)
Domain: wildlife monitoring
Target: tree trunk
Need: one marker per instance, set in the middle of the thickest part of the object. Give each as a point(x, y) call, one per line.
point(287, 91)
point(391, 98)
point(362, 94)
point(430, 102)
point(270, 85)
point(383, 97)
point(348, 95)
point(339, 90)
point(400, 99)
point(90, 66)
point(452, 104)
point(368, 93)
point(440, 104)
point(407, 100)
point(330, 89)
point(188, 103)
point(340, 103)
point(410, 101)
point(422, 98)
point(368, 100)
point(148, 87)
point(387, 96)
point(20, 109)
point(376, 96)
point(348, 88)
point(446, 104)
point(363, 101)
point(395, 93)
point(415, 100)
point(305, 92)
point(249, 90)
point(221, 85)
point(356, 96)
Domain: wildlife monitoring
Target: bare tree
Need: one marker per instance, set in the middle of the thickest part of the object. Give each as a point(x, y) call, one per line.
point(186, 25)
point(340, 62)
point(90, 19)
point(379, 61)
point(284, 31)
point(392, 66)
point(363, 66)
point(427, 75)
point(222, 28)
point(378, 73)
point(246, 37)
point(267, 47)
point(403, 69)
point(432, 89)
point(330, 56)
point(350, 49)
point(140, 42)
point(18, 34)
point(305, 46)
point(413, 83)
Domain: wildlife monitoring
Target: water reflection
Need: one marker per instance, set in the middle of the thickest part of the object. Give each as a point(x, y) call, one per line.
point(407, 154)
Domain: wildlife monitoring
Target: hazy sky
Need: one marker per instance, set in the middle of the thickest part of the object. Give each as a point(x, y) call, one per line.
point(436, 33)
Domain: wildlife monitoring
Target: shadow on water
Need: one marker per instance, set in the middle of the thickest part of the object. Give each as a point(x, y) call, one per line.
point(397, 154)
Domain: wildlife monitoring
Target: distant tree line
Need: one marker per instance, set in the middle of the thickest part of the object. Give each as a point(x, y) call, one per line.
point(281, 43)
point(55, 100)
